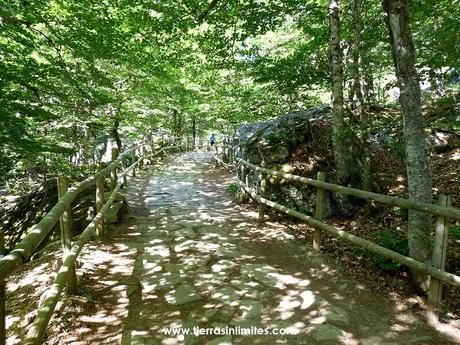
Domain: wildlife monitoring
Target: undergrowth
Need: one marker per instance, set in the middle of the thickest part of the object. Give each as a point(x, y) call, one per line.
point(387, 239)
point(454, 231)
point(232, 189)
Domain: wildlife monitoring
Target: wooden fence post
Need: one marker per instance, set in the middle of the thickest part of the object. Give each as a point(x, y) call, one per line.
point(113, 173)
point(439, 261)
point(65, 223)
point(319, 211)
point(2, 297)
point(134, 160)
point(140, 153)
point(243, 173)
point(100, 200)
point(124, 166)
point(246, 172)
point(263, 190)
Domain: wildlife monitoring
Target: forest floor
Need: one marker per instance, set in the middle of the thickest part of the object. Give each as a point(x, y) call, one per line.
point(387, 225)
point(188, 256)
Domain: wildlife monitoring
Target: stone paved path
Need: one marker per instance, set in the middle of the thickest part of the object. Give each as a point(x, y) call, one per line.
point(188, 256)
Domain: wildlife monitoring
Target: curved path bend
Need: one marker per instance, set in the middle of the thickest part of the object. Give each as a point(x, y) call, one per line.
point(187, 257)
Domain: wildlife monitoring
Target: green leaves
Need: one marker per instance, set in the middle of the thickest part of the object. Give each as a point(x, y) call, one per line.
point(70, 70)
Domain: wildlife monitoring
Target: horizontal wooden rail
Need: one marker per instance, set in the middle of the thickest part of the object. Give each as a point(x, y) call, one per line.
point(221, 162)
point(441, 275)
point(27, 246)
point(46, 309)
point(448, 212)
point(228, 152)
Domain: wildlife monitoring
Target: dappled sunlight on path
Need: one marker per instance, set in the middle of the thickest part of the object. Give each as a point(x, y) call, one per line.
point(188, 256)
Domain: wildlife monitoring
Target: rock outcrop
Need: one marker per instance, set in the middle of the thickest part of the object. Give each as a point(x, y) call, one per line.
point(300, 143)
point(274, 140)
point(442, 140)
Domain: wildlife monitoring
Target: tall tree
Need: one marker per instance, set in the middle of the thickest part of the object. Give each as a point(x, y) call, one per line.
point(356, 13)
point(337, 90)
point(417, 162)
point(341, 134)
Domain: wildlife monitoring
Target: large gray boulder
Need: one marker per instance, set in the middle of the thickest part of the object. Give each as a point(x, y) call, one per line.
point(272, 141)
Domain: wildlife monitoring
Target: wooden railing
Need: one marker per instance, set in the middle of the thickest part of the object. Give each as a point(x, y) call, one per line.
point(62, 212)
point(224, 155)
point(442, 211)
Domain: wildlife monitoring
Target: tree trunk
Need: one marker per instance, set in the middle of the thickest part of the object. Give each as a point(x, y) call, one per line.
point(75, 159)
point(337, 88)
point(351, 94)
point(116, 135)
point(340, 132)
point(351, 159)
point(417, 161)
point(194, 132)
point(356, 59)
point(368, 85)
point(174, 123)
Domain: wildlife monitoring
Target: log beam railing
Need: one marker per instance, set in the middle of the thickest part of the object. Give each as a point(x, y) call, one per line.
point(443, 211)
point(46, 309)
point(28, 246)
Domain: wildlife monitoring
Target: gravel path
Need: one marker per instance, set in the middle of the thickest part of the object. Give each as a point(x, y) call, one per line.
point(188, 257)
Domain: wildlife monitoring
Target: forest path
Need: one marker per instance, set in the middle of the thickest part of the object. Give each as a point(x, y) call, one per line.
point(188, 256)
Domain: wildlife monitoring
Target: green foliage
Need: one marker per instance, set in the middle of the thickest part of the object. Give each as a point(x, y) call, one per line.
point(401, 212)
point(361, 252)
point(389, 240)
point(454, 231)
point(232, 189)
point(67, 85)
point(277, 137)
point(395, 148)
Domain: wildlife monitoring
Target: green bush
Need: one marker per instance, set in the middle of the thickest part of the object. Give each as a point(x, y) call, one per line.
point(389, 240)
point(232, 189)
point(395, 148)
point(446, 101)
point(454, 231)
point(401, 212)
point(361, 252)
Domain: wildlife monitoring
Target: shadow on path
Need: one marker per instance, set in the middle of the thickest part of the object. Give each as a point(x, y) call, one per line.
point(187, 257)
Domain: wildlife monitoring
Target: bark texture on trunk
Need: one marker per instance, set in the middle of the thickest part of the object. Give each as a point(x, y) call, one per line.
point(417, 162)
point(341, 133)
point(356, 58)
point(194, 132)
point(116, 135)
point(177, 124)
point(337, 85)
point(351, 158)
point(368, 81)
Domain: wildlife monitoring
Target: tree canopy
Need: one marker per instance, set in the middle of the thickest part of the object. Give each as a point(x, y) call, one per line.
point(73, 72)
